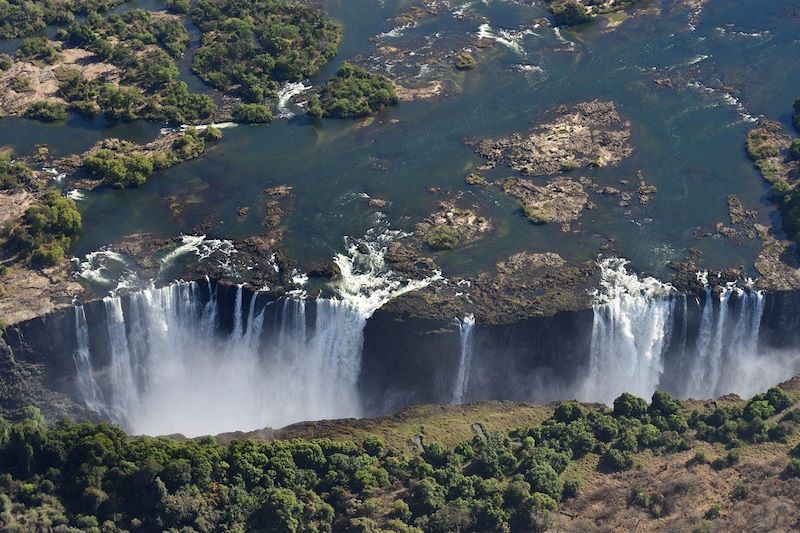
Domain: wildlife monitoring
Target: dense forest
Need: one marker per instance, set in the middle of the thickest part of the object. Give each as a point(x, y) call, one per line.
point(97, 478)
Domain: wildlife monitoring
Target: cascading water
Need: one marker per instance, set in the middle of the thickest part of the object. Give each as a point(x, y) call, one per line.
point(465, 359)
point(91, 393)
point(171, 368)
point(632, 318)
point(631, 340)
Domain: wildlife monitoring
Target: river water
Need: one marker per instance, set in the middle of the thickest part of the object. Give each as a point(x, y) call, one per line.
point(728, 66)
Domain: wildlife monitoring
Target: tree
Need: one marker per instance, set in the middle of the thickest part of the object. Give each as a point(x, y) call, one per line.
point(570, 13)
point(252, 114)
point(629, 406)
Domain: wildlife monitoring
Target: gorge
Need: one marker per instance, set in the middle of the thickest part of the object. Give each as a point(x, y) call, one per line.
point(203, 357)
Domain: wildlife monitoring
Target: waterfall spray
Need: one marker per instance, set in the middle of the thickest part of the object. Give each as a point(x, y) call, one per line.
point(631, 319)
point(465, 359)
point(91, 393)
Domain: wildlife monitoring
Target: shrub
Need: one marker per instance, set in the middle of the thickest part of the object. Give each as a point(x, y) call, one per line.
point(570, 13)
point(212, 133)
point(178, 6)
point(536, 215)
point(777, 397)
point(252, 114)
point(119, 170)
point(571, 488)
point(615, 460)
point(353, 92)
point(740, 492)
point(569, 412)
point(629, 406)
point(443, 237)
point(794, 149)
point(792, 469)
point(12, 173)
point(37, 48)
point(5, 62)
point(46, 111)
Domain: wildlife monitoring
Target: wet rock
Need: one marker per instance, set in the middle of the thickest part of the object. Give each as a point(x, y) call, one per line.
point(476, 179)
point(588, 134)
point(323, 269)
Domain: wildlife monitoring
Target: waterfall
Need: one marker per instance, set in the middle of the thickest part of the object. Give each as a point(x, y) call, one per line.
point(171, 368)
point(632, 318)
point(91, 393)
point(465, 359)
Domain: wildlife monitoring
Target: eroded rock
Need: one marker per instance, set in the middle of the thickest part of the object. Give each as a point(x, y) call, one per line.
point(588, 134)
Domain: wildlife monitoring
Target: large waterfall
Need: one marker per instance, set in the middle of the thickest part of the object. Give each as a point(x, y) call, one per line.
point(641, 340)
point(172, 366)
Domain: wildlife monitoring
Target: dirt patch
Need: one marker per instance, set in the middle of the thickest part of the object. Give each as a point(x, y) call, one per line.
point(28, 82)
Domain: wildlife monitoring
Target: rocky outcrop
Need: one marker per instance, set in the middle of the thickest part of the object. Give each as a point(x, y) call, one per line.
point(561, 200)
point(588, 134)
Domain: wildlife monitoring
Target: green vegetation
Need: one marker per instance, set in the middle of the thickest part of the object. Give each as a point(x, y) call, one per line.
point(144, 46)
point(119, 170)
point(353, 92)
point(252, 114)
point(122, 164)
point(536, 215)
point(5, 62)
point(179, 7)
point(46, 111)
point(47, 230)
point(13, 174)
point(776, 155)
point(94, 476)
point(21, 18)
point(570, 12)
point(251, 46)
point(37, 48)
point(443, 237)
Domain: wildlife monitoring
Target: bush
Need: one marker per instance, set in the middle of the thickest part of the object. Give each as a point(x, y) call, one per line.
point(615, 460)
point(794, 150)
point(536, 215)
point(212, 134)
point(37, 48)
point(45, 111)
point(353, 92)
point(119, 170)
point(740, 492)
point(48, 229)
point(629, 406)
point(570, 13)
point(777, 397)
point(5, 62)
point(443, 237)
point(178, 6)
point(792, 469)
point(571, 488)
point(12, 173)
point(252, 114)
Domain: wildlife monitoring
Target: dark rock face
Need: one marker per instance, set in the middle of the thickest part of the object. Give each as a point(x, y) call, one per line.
point(410, 360)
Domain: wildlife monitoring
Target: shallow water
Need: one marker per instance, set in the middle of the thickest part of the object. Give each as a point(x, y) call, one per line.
point(688, 141)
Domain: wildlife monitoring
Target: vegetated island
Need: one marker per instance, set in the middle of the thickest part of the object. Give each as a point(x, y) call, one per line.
point(496, 466)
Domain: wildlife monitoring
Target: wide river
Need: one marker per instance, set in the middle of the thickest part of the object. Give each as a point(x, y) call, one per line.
point(730, 63)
